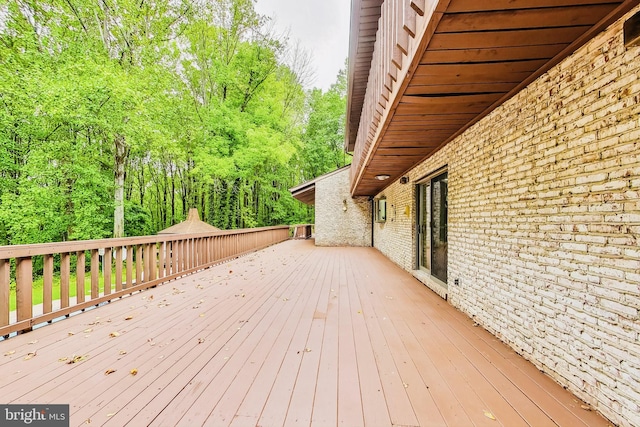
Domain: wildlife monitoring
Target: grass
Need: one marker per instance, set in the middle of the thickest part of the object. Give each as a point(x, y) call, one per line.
point(38, 286)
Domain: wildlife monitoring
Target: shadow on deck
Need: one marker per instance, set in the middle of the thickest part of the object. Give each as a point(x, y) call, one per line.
point(293, 334)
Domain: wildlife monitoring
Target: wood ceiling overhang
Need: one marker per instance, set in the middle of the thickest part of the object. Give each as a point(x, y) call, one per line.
point(465, 58)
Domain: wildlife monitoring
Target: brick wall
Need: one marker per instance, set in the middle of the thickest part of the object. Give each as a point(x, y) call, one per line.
point(544, 221)
point(340, 219)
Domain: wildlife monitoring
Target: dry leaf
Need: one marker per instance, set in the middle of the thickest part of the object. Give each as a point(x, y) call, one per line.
point(110, 415)
point(9, 353)
point(63, 359)
point(88, 421)
point(242, 295)
point(114, 334)
point(586, 407)
point(133, 372)
point(30, 355)
point(33, 342)
point(201, 314)
point(128, 318)
point(86, 331)
point(200, 340)
point(489, 415)
point(121, 352)
point(199, 286)
point(77, 359)
point(285, 299)
point(307, 349)
point(71, 333)
point(150, 341)
point(405, 385)
point(109, 371)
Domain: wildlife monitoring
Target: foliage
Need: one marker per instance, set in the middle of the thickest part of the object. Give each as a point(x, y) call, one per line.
point(153, 108)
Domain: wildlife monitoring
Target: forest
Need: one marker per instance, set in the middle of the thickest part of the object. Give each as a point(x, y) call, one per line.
point(117, 116)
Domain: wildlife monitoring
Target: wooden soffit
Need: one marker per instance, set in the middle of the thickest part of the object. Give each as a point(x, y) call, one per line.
point(467, 58)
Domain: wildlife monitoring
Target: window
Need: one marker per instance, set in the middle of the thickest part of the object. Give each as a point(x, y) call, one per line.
point(381, 209)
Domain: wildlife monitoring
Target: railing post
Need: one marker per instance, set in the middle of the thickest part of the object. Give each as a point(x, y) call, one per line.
point(24, 289)
point(4, 291)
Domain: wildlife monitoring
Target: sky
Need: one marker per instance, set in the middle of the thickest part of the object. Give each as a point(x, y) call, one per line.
point(322, 27)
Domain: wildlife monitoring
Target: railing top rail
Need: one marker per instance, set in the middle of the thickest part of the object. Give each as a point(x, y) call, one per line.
point(22, 251)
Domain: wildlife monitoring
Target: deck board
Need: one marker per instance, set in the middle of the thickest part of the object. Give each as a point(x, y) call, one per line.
point(292, 335)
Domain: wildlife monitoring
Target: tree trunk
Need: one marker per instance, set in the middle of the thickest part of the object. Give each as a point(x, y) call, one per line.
point(119, 168)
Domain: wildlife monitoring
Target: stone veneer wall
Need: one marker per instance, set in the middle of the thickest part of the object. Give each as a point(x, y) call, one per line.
point(335, 226)
point(544, 222)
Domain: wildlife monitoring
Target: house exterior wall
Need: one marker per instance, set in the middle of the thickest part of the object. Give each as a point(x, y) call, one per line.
point(544, 222)
point(335, 226)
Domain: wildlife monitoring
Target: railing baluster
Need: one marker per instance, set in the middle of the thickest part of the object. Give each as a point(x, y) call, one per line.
point(106, 268)
point(24, 288)
point(5, 291)
point(118, 268)
point(80, 277)
point(162, 260)
point(139, 267)
point(129, 281)
point(47, 284)
point(95, 274)
point(65, 277)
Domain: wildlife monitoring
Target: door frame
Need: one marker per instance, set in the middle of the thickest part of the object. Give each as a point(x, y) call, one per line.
point(420, 227)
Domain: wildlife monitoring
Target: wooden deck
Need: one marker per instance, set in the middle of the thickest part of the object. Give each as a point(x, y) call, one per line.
point(291, 335)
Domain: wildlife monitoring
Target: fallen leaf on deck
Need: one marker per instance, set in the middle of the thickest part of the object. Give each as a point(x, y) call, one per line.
point(122, 352)
point(359, 311)
point(110, 415)
point(242, 295)
point(285, 299)
point(109, 371)
point(307, 349)
point(586, 407)
point(63, 359)
point(133, 372)
point(114, 334)
point(30, 355)
point(150, 297)
point(77, 359)
point(201, 314)
point(150, 341)
point(86, 331)
point(230, 271)
point(200, 340)
point(489, 415)
point(199, 286)
point(88, 421)
point(128, 318)
point(33, 342)
point(71, 333)
point(195, 307)
point(201, 301)
point(9, 353)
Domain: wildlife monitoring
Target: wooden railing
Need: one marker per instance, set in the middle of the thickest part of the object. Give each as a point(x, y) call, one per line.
point(123, 266)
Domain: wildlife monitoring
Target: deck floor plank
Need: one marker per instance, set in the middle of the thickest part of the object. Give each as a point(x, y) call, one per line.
point(291, 335)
